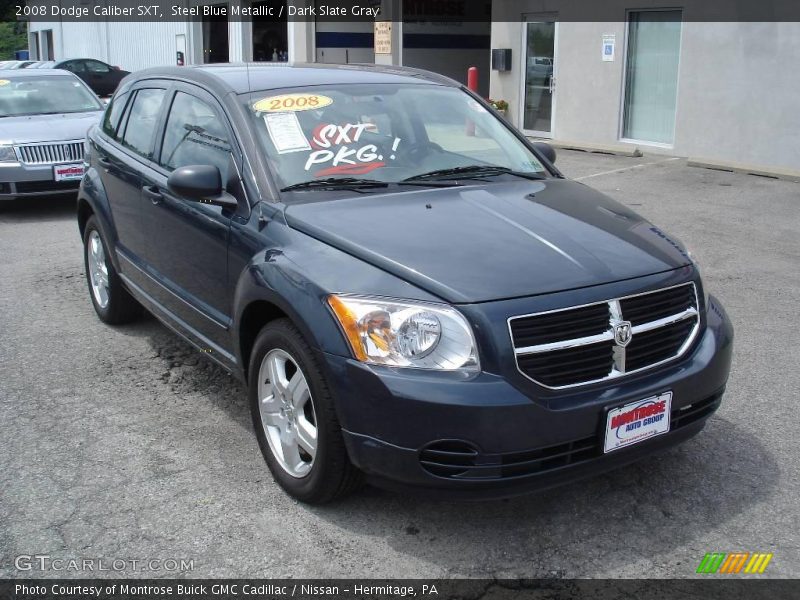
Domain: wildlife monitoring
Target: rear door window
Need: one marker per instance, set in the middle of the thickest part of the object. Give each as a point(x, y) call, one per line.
point(142, 120)
point(113, 115)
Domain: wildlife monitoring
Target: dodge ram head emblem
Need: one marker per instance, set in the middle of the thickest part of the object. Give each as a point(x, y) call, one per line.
point(622, 333)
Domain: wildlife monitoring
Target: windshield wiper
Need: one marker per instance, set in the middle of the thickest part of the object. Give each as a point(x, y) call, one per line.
point(429, 184)
point(473, 171)
point(336, 182)
point(355, 183)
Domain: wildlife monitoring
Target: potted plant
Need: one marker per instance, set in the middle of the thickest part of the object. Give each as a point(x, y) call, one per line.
point(500, 106)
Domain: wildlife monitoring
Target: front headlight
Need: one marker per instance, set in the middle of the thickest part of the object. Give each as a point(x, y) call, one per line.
point(7, 154)
point(696, 264)
point(403, 334)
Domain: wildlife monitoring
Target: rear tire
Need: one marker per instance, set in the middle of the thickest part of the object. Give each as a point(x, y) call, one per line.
point(112, 302)
point(294, 418)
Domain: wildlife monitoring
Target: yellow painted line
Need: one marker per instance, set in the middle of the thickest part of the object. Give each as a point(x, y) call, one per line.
point(749, 568)
point(755, 563)
point(767, 558)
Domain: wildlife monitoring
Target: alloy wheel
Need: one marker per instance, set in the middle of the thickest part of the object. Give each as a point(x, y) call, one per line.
point(98, 271)
point(287, 412)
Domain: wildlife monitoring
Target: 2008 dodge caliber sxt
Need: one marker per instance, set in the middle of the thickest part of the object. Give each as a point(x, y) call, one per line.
point(411, 290)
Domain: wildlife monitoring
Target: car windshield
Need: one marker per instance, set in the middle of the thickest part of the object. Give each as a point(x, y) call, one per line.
point(389, 133)
point(23, 96)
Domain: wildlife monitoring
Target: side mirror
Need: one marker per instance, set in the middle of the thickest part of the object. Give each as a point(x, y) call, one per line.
point(202, 183)
point(547, 150)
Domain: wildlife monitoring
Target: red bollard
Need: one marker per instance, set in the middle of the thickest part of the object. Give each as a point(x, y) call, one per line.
point(472, 79)
point(472, 84)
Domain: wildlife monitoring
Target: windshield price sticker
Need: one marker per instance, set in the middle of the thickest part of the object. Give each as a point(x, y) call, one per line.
point(285, 132)
point(292, 103)
point(4, 81)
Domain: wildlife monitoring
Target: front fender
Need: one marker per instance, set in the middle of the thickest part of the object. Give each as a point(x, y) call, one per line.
point(273, 278)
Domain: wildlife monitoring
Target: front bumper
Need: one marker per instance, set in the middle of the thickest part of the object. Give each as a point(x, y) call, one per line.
point(20, 180)
point(485, 436)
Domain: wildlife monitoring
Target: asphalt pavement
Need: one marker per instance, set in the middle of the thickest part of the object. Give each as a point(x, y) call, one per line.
point(126, 444)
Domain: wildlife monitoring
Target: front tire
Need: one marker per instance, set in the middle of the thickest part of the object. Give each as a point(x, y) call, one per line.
point(294, 418)
point(112, 302)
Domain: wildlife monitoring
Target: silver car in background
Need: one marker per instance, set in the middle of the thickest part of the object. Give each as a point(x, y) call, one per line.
point(44, 116)
point(18, 64)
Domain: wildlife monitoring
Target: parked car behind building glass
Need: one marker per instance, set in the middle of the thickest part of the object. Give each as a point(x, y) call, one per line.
point(101, 77)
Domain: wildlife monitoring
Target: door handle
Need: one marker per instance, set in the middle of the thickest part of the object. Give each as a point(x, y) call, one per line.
point(152, 192)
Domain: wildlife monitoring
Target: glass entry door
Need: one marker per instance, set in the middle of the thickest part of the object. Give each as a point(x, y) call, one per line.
point(539, 85)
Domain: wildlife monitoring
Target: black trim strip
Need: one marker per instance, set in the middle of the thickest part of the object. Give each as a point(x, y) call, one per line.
point(181, 323)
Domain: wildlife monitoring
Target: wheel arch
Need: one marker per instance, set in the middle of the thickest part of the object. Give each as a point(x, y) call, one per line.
point(273, 285)
point(93, 201)
point(266, 306)
point(255, 316)
point(85, 211)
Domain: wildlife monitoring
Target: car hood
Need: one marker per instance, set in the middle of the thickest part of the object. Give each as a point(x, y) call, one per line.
point(488, 242)
point(47, 128)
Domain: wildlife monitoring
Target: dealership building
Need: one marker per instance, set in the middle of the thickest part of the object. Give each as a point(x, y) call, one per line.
point(655, 77)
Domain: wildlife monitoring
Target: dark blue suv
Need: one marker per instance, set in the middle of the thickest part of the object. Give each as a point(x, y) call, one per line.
point(410, 289)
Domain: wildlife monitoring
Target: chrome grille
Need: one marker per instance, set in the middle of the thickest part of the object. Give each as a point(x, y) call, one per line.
point(656, 305)
point(605, 340)
point(50, 153)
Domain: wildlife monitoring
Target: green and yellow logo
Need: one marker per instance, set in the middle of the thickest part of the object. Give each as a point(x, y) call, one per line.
point(734, 562)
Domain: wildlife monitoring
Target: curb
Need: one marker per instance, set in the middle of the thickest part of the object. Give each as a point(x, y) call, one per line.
point(785, 174)
point(616, 149)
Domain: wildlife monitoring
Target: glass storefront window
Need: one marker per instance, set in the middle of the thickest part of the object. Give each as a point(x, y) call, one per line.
point(651, 83)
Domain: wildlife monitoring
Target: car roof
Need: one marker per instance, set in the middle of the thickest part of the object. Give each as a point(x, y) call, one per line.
point(63, 60)
point(241, 78)
point(35, 73)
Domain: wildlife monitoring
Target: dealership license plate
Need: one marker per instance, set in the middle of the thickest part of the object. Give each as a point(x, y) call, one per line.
point(637, 421)
point(70, 172)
